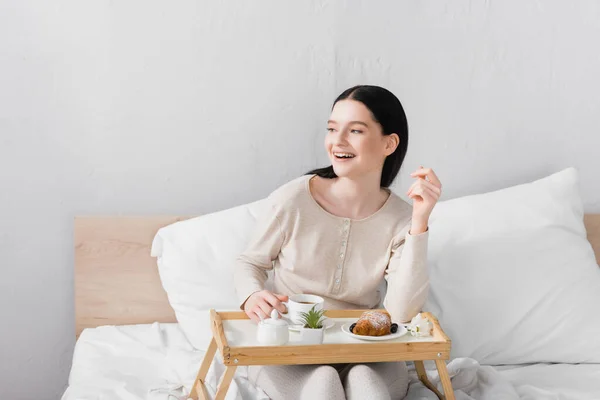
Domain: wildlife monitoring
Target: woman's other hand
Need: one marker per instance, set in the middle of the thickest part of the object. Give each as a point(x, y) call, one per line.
point(424, 192)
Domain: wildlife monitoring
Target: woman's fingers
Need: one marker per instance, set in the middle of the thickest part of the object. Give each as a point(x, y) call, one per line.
point(429, 174)
point(260, 304)
point(255, 314)
point(260, 313)
point(423, 183)
point(409, 193)
point(412, 187)
point(253, 317)
point(282, 297)
point(415, 183)
point(431, 186)
point(414, 192)
point(425, 192)
point(264, 307)
point(274, 301)
point(430, 193)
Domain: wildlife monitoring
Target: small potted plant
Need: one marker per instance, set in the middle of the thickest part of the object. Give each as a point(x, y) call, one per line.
point(312, 326)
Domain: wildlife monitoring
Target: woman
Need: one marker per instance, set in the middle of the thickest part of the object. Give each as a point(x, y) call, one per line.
point(339, 232)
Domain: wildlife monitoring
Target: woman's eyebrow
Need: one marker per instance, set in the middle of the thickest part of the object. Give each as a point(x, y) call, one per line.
point(351, 122)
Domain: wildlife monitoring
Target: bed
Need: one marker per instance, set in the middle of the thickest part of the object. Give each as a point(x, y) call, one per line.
point(130, 345)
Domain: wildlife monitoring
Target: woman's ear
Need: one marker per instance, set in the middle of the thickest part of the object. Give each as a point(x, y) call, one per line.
point(391, 143)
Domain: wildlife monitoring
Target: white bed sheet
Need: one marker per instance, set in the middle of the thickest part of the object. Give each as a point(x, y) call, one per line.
point(554, 381)
point(157, 362)
point(472, 381)
point(136, 362)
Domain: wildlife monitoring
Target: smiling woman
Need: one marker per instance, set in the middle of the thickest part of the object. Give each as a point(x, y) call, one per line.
point(340, 233)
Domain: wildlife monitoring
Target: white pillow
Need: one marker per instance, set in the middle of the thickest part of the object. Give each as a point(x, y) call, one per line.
point(513, 277)
point(196, 261)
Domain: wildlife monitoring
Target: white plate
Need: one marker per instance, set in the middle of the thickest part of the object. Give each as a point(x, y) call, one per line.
point(401, 332)
point(327, 323)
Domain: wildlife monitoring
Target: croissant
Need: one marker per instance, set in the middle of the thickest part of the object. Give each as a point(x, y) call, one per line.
point(373, 323)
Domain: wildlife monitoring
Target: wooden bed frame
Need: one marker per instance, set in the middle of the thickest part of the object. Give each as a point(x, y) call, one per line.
point(117, 282)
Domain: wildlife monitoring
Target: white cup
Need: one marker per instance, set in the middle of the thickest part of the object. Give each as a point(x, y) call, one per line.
point(299, 303)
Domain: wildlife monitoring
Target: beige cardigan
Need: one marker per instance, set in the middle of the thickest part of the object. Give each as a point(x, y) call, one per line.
point(344, 261)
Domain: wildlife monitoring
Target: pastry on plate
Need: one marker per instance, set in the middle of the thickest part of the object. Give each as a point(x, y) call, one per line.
point(373, 323)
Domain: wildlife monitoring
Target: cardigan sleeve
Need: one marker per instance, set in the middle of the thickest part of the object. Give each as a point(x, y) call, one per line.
point(257, 259)
point(407, 277)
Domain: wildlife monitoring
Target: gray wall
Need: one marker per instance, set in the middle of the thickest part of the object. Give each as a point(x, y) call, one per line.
point(144, 107)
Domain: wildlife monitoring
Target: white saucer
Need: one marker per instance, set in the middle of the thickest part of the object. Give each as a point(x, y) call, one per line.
point(327, 323)
point(401, 332)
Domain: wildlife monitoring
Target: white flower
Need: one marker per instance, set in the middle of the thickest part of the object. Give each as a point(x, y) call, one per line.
point(420, 326)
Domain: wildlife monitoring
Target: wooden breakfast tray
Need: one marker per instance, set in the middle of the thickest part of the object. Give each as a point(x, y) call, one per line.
point(234, 335)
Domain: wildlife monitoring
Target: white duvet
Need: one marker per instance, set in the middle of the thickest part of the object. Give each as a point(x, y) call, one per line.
point(156, 362)
point(135, 362)
point(472, 381)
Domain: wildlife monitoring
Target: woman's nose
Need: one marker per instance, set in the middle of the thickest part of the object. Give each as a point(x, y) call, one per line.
point(340, 137)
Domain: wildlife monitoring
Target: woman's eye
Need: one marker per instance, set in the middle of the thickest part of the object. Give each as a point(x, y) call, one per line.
point(330, 130)
point(356, 131)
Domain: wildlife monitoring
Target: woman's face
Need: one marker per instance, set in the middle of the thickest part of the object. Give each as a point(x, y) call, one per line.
point(355, 143)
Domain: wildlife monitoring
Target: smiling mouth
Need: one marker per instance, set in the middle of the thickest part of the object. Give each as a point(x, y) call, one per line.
point(343, 156)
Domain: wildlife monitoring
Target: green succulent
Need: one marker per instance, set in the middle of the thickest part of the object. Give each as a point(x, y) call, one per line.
point(312, 319)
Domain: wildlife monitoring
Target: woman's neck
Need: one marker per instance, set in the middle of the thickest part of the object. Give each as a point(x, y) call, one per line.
point(358, 197)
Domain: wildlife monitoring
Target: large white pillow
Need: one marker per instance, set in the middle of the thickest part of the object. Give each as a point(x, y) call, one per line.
point(513, 277)
point(196, 259)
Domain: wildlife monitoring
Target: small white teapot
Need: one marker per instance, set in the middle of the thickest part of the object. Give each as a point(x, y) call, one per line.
point(273, 331)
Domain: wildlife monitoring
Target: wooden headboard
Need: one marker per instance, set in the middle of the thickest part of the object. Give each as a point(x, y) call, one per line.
point(592, 225)
point(117, 282)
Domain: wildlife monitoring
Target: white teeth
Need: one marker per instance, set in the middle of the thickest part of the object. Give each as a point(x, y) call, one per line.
point(344, 155)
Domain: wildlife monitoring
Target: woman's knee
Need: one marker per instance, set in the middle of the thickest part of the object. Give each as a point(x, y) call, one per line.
point(298, 382)
point(377, 380)
point(323, 383)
